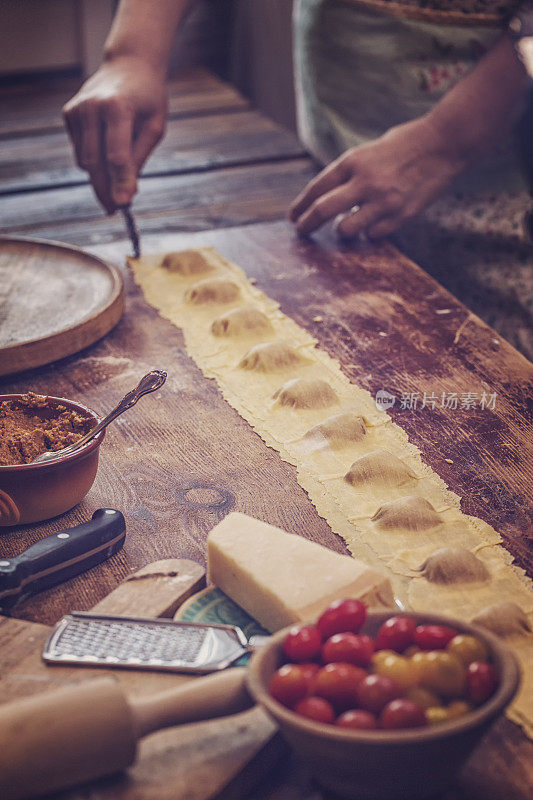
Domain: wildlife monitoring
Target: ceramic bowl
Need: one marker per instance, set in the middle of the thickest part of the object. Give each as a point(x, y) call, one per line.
point(35, 492)
point(382, 765)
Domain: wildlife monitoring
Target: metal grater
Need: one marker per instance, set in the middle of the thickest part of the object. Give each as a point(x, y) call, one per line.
point(137, 643)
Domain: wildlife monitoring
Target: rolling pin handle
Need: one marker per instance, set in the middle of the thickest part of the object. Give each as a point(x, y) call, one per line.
point(89, 730)
point(62, 738)
point(204, 698)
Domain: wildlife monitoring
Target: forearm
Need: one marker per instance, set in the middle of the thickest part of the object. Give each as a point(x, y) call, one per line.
point(482, 109)
point(145, 29)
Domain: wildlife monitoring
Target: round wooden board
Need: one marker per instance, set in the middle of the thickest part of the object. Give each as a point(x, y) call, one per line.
point(54, 301)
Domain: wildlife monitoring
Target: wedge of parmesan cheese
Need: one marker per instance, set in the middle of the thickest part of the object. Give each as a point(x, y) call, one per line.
point(281, 578)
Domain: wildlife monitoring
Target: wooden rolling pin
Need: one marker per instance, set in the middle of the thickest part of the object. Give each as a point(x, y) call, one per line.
point(62, 738)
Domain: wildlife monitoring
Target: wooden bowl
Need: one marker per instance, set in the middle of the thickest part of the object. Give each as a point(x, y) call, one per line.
point(35, 492)
point(382, 765)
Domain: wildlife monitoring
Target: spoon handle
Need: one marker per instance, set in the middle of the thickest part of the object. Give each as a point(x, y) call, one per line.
point(152, 381)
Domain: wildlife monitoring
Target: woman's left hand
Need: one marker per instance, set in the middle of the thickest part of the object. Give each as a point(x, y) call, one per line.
point(383, 183)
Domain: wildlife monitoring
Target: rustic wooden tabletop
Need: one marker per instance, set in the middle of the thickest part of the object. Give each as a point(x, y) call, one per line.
point(171, 466)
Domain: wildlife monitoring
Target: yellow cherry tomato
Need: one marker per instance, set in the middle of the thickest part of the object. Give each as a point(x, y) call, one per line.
point(411, 651)
point(436, 715)
point(458, 708)
point(467, 649)
point(423, 697)
point(398, 669)
point(380, 656)
point(440, 672)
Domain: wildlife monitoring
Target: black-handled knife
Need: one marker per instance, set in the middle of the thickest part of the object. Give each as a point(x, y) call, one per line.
point(61, 556)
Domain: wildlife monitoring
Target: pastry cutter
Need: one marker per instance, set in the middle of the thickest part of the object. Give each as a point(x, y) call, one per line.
point(61, 556)
point(96, 640)
point(133, 232)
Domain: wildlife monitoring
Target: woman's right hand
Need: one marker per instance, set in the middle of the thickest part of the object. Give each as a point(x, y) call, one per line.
point(115, 121)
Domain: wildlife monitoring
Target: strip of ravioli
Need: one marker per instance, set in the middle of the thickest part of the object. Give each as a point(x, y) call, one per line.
point(350, 508)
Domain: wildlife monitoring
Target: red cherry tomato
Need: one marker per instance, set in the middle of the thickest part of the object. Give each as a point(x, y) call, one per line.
point(396, 633)
point(342, 616)
point(355, 718)
point(401, 713)
point(309, 670)
point(433, 637)
point(303, 643)
point(375, 691)
point(289, 685)
point(352, 648)
point(316, 708)
point(337, 683)
point(481, 681)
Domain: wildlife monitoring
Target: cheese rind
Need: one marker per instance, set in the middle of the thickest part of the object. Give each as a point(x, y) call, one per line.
point(281, 578)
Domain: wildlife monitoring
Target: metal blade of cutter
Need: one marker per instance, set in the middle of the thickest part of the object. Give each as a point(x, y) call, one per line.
point(133, 233)
point(137, 643)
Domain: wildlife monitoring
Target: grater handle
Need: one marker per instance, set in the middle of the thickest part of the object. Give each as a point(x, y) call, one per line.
point(204, 698)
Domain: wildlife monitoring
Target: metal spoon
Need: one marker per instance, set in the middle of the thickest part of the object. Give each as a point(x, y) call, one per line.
point(149, 383)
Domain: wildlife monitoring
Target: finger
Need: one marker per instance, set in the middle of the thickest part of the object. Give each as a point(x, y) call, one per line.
point(326, 181)
point(150, 133)
point(100, 184)
point(386, 226)
point(358, 223)
point(93, 160)
point(121, 171)
point(91, 156)
point(88, 151)
point(326, 207)
point(72, 121)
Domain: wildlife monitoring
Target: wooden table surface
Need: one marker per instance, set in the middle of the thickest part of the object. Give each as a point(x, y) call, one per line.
point(171, 465)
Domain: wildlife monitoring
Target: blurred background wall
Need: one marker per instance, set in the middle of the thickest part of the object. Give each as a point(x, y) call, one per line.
point(245, 41)
point(261, 56)
point(38, 36)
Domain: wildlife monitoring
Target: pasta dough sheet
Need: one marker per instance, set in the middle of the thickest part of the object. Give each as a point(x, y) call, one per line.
point(357, 466)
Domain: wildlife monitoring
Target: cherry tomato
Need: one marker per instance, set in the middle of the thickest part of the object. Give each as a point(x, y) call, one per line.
point(402, 713)
point(423, 697)
point(433, 637)
point(398, 669)
point(458, 708)
point(316, 708)
point(309, 670)
point(337, 683)
point(358, 719)
point(481, 681)
point(440, 672)
point(289, 685)
point(342, 616)
point(396, 634)
point(467, 649)
point(437, 714)
point(380, 656)
point(303, 643)
point(375, 691)
point(351, 648)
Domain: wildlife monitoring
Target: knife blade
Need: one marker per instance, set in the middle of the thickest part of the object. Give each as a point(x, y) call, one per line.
point(133, 232)
point(61, 556)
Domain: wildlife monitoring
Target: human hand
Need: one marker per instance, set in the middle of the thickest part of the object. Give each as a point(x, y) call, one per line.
point(115, 121)
point(382, 183)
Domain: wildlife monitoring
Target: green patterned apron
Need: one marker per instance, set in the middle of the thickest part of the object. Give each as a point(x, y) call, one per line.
point(359, 72)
